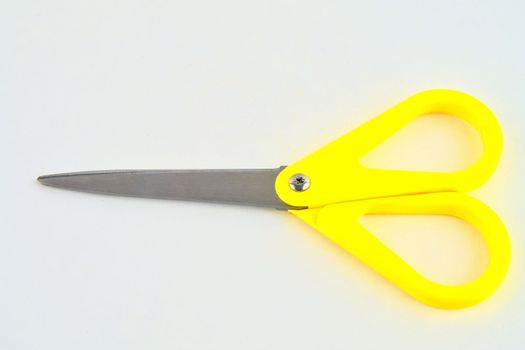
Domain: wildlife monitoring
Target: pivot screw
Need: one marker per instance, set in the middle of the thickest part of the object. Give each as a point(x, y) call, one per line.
point(299, 182)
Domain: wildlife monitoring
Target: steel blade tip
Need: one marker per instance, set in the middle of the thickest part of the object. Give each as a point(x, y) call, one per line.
point(48, 179)
point(42, 179)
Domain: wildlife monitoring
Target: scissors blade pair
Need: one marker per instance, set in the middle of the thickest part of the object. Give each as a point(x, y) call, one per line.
point(246, 187)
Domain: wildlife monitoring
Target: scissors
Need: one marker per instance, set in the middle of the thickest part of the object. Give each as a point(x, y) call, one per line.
point(330, 189)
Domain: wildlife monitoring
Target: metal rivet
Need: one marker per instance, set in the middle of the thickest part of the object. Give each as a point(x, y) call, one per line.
point(299, 182)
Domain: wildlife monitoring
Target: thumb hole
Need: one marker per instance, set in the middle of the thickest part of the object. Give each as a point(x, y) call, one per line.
point(442, 248)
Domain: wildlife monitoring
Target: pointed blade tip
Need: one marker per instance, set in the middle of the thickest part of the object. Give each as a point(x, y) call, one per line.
point(47, 179)
point(42, 179)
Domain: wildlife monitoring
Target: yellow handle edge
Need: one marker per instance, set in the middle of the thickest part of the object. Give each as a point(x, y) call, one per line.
point(339, 222)
point(341, 158)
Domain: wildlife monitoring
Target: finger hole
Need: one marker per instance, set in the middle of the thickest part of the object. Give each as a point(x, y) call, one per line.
point(442, 248)
point(433, 142)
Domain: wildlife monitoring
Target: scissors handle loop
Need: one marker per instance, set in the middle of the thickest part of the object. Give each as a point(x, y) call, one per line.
point(339, 222)
point(341, 158)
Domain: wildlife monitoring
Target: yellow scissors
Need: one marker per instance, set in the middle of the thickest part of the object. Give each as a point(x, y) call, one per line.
point(311, 190)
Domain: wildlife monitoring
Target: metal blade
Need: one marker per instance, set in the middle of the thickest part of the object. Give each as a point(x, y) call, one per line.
point(247, 187)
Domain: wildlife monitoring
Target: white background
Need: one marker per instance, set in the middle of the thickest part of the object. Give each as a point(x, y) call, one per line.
point(104, 84)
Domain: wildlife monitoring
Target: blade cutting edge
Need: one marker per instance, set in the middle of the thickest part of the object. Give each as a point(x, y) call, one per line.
point(245, 187)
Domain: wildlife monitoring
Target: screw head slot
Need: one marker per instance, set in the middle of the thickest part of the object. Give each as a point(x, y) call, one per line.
point(299, 182)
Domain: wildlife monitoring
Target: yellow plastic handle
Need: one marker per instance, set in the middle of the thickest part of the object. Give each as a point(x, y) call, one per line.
point(337, 175)
point(342, 189)
point(339, 222)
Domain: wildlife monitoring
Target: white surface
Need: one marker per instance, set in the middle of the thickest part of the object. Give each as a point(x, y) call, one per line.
point(195, 84)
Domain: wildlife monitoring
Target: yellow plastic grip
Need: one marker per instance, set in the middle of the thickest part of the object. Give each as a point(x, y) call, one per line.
point(341, 158)
point(342, 189)
point(339, 222)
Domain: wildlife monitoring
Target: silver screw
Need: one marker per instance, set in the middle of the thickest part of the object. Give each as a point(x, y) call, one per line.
point(299, 182)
